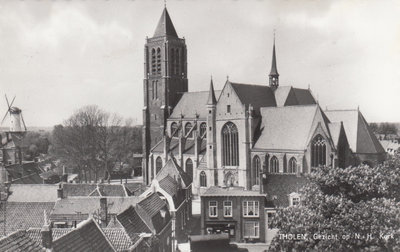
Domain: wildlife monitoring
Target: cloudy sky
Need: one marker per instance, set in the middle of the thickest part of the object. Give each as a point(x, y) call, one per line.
point(57, 56)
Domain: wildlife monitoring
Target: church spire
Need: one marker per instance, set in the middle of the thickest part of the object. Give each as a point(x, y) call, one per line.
point(274, 75)
point(211, 95)
point(165, 26)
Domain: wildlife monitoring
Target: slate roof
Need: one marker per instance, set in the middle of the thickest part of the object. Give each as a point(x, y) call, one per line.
point(282, 95)
point(145, 217)
point(289, 96)
point(279, 186)
point(230, 191)
point(117, 236)
point(32, 178)
point(29, 170)
point(192, 103)
point(172, 169)
point(87, 205)
point(256, 95)
point(165, 26)
point(304, 96)
point(169, 185)
point(24, 215)
point(361, 138)
point(211, 95)
point(135, 188)
point(286, 128)
point(334, 129)
point(132, 222)
point(36, 235)
point(389, 144)
point(108, 190)
point(274, 69)
point(19, 241)
point(33, 193)
point(88, 236)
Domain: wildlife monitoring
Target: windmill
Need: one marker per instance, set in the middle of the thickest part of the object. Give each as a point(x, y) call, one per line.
point(15, 117)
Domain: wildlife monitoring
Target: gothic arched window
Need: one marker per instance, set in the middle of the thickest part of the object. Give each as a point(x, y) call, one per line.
point(256, 170)
point(188, 127)
point(189, 167)
point(158, 60)
point(292, 165)
point(158, 164)
point(203, 128)
point(173, 61)
point(177, 63)
point(203, 179)
point(153, 61)
point(230, 145)
point(174, 129)
point(318, 151)
point(156, 89)
point(274, 165)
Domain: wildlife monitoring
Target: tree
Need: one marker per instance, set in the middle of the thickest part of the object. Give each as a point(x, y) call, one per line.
point(357, 206)
point(92, 140)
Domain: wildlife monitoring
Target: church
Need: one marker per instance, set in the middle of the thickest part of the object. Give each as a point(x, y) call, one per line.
point(244, 134)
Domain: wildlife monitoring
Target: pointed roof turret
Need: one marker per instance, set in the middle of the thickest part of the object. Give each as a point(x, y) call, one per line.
point(211, 95)
point(165, 26)
point(274, 69)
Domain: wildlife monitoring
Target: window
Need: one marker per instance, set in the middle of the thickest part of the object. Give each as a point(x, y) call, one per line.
point(256, 170)
point(251, 229)
point(156, 89)
point(318, 151)
point(292, 165)
point(250, 208)
point(172, 60)
point(158, 60)
point(189, 167)
point(177, 67)
point(188, 127)
point(227, 208)
point(158, 164)
point(174, 129)
point(228, 109)
point(153, 61)
point(274, 165)
point(230, 146)
point(203, 128)
point(203, 179)
point(212, 209)
point(294, 199)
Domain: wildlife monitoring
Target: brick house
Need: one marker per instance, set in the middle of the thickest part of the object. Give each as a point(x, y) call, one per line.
point(235, 211)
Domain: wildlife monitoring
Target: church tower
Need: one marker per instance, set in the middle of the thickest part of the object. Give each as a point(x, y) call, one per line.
point(274, 75)
point(165, 79)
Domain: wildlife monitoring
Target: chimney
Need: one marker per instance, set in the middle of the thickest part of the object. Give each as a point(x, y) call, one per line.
point(46, 232)
point(60, 192)
point(103, 211)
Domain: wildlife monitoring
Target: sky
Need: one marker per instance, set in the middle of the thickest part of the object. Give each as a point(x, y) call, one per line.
point(57, 56)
